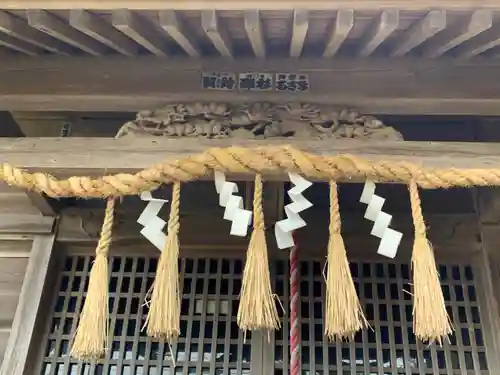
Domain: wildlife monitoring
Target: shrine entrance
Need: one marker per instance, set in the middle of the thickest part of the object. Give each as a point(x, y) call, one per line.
point(210, 341)
point(249, 188)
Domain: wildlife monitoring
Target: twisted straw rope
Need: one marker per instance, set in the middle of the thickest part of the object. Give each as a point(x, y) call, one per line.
point(249, 161)
point(416, 210)
point(335, 225)
point(91, 336)
point(343, 313)
point(257, 308)
point(163, 319)
point(173, 225)
point(430, 317)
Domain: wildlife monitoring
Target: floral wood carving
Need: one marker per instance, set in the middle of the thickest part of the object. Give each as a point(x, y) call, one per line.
point(256, 121)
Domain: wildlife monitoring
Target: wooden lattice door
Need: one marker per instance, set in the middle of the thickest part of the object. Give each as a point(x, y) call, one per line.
point(389, 348)
point(210, 341)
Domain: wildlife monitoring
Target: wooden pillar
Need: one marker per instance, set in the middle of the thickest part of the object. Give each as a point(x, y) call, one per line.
point(487, 202)
point(23, 331)
point(26, 240)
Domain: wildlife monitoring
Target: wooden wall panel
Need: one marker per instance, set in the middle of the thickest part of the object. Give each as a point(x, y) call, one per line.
point(13, 262)
point(4, 337)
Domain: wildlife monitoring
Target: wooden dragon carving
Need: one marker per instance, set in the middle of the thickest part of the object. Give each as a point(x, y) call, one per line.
point(256, 121)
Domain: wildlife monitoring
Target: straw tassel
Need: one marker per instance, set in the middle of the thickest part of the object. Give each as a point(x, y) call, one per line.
point(344, 315)
point(257, 308)
point(91, 336)
point(164, 309)
point(430, 318)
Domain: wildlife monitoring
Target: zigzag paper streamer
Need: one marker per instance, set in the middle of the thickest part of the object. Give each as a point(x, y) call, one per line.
point(389, 238)
point(284, 228)
point(234, 211)
point(153, 225)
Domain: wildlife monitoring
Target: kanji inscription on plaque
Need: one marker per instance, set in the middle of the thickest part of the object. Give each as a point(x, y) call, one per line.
point(292, 82)
point(255, 81)
point(218, 81)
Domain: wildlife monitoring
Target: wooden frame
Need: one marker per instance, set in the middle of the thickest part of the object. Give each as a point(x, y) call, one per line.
point(396, 30)
point(24, 326)
point(82, 156)
point(247, 4)
point(376, 86)
point(463, 257)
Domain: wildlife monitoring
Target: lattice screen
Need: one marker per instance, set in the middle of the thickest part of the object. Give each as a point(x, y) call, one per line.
point(210, 342)
point(390, 348)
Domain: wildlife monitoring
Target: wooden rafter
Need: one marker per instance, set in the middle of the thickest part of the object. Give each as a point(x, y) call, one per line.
point(422, 5)
point(479, 21)
point(170, 22)
point(253, 27)
point(378, 32)
point(19, 45)
point(217, 33)
point(72, 156)
point(299, 32)
point(20, 29)
point(50, 24)
point(343, 25)
point(138, 29)
point(482, 43)
point(427, 27)
point(409, 86)
point(102, 31)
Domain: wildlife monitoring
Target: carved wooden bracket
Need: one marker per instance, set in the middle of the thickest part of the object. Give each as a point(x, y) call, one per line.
point(255, 121)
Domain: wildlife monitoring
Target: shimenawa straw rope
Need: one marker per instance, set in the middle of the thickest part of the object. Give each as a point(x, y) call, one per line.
point(430, 318)
point(270, 159)
point(343, 313)
point(164, 306)
point(257, 308)
point(90, 341)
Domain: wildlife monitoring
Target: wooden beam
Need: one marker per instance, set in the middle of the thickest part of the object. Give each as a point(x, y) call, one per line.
point(481, 43)
point(81, 226)
point(141, 31)
point(453, 36)
point(69, 156)
point(253, 27)
point(23, 212)
point(19, 45)
point(46, 206)
point(217, 33)
point(10, 127)
point(378, 31)
point(170, 23)
point(344, 22)
point(432, 23)
point(299, 31)
point(376, 86)
point(102, 31)
point(50, 24)
point(19, 28)
point(138, 29)
point(23, 328)
point(420, 5)
point(22, 224)
point(488, 264)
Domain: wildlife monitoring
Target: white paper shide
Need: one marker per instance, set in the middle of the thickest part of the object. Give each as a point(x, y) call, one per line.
point(389, 238)
point(284, 228)
point(152, 223)
point(233, 204)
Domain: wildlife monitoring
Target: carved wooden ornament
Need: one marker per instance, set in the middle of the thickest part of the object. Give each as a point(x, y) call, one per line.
point(257, 121)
